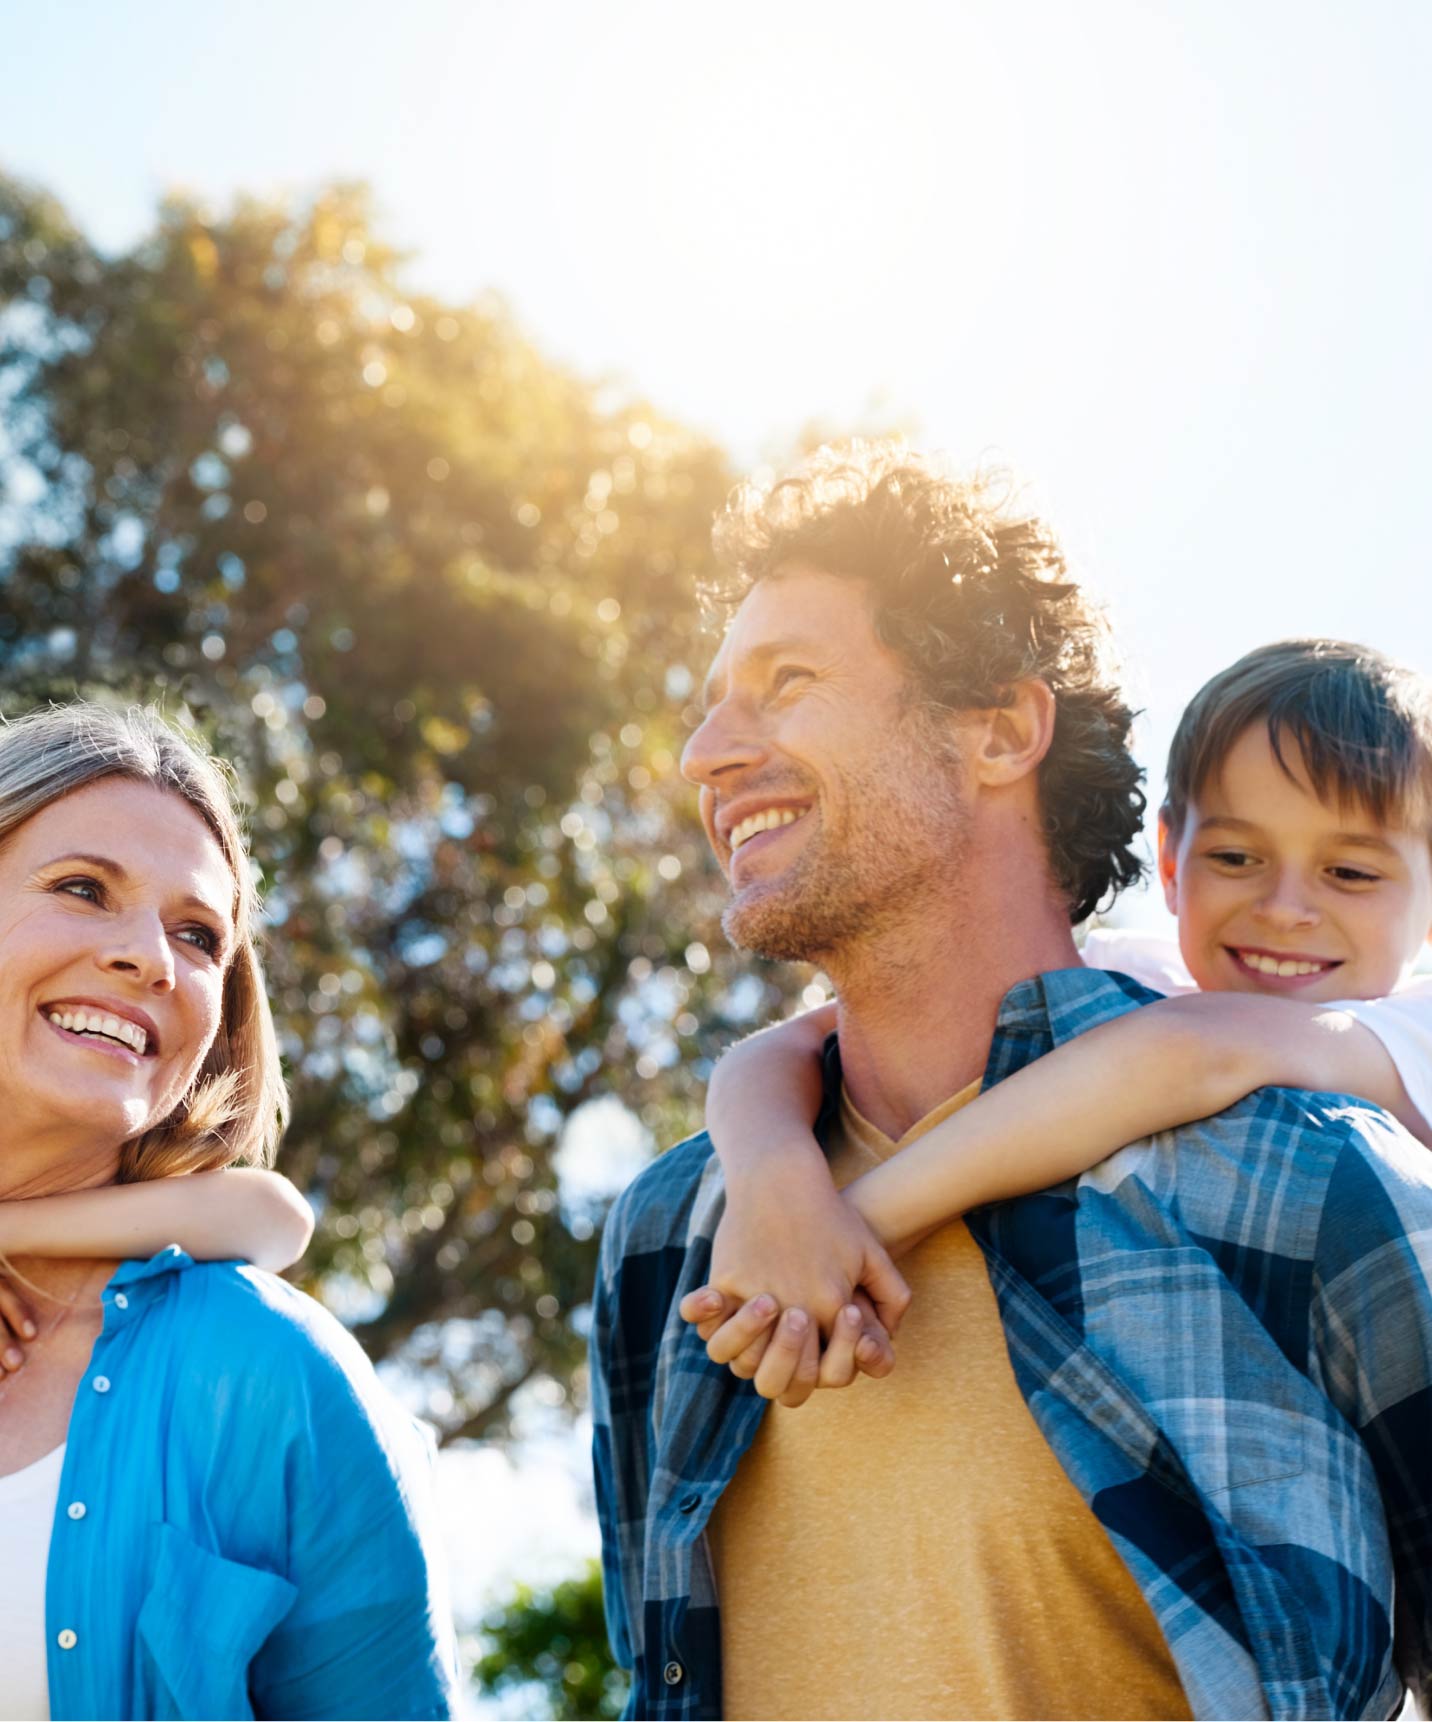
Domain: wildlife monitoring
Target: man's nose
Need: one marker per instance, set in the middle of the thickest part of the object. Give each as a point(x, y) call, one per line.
point(138, 949)
point(727, 739)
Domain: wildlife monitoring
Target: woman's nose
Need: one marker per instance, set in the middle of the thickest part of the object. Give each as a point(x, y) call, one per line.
point(139, 949)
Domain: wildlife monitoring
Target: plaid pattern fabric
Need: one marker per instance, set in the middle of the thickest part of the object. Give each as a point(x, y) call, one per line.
point(1224, 1333)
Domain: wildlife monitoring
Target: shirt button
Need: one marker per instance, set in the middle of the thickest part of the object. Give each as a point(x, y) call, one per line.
point(121, 1301)
point(67, 1640)
point(671, 1674)
point(101, 1384)
point(76, 1509)
point(691, 1503)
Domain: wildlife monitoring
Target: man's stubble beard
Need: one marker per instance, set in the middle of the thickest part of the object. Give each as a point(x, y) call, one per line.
point(865, 884)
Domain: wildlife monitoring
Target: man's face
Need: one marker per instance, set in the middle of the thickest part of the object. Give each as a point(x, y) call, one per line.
point(831, 801)
point(1277, 891)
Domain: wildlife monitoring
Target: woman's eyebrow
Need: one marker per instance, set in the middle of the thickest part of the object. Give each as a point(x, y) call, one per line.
point(103, 864)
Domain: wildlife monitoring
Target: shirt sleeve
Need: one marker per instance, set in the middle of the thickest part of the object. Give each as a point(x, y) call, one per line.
point(1403, 1023)
point(1372, 1337)
point(602, 1364)
point(370, 1630)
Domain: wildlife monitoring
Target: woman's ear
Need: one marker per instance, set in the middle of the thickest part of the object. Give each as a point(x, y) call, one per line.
point(1014, 738)
point(1168, 863)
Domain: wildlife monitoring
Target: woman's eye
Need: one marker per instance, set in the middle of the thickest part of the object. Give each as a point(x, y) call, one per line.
point(203, 938)
point(88, 890)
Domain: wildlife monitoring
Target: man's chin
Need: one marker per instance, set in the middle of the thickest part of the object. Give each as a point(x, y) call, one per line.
point(769, 924)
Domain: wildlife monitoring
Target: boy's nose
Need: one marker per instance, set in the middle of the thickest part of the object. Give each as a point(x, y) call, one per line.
point(1286, 906)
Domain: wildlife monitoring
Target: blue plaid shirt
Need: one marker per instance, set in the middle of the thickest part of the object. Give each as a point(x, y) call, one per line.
point(1224, 1333)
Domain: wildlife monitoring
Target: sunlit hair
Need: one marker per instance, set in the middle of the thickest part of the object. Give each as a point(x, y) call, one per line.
point(238, 1105)
point(974, 597)
point(1360, 723)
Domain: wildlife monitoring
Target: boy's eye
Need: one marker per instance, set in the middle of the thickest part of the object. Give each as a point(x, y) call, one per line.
point(1353, 876)
point(1235, 858)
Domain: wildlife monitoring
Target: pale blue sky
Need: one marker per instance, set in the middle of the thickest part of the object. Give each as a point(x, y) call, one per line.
point(1171, 262)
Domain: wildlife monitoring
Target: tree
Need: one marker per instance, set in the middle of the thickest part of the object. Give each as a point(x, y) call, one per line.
point(556, 1642)
point(435, 596)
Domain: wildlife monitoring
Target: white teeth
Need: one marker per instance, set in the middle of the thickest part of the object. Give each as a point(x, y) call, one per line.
point(128, 1034)
point(1282, 966)
point(767, 821)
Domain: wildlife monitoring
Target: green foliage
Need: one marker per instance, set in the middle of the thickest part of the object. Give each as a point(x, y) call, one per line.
point(435, 597)
point(555, 1640)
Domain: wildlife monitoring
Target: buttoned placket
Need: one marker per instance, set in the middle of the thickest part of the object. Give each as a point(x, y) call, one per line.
point(95, 1389)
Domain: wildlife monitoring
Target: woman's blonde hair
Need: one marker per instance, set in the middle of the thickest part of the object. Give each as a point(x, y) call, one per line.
point(238, 1105)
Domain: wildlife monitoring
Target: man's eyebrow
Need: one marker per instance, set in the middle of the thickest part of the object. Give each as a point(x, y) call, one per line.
point(104, 864)
point(756, 658)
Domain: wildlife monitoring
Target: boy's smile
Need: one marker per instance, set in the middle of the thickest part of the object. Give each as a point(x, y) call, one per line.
point(1276, 891)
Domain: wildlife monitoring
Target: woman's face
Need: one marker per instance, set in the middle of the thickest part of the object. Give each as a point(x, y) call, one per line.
point(116, 929)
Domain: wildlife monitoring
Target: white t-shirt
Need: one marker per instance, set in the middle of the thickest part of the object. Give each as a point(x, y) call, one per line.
point(27, 1513)
point(1402, 1021)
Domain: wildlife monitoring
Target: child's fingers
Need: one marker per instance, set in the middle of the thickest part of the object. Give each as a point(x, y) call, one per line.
point(803, 1382)
point(736, 1333)
point(874, 1354)
point(886, 1288)
point(838, 1365)
point(705, 1304)
point(16, 1316)
point(783, 1355)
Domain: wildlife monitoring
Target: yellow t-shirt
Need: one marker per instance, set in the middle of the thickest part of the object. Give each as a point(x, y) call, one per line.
point(911, 1547)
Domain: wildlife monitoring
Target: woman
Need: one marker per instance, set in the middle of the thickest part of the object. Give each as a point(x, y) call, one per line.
point(223, 1511)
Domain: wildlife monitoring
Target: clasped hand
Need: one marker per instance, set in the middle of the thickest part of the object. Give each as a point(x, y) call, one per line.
point(802, 1293)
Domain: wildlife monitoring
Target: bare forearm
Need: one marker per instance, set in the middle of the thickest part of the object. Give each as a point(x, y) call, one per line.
point(1148, 1071)
point(255, 1216)
point(765, 1094)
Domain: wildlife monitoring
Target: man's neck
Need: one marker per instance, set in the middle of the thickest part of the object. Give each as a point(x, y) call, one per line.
point(917, 1010)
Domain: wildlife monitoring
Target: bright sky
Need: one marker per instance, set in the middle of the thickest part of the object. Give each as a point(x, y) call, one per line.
point(1172, 262)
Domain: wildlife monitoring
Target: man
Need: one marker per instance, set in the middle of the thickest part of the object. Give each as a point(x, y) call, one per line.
point(1155, 1445)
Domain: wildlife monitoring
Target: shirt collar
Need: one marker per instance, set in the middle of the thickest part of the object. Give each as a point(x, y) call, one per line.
point(1035, 1016)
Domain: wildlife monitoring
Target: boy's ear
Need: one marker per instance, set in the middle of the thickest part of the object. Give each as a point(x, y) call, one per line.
point(1168, 864)
point(1011, 740)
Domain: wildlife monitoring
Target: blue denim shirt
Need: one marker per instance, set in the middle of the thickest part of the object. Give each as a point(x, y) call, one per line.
point(1224, 1333)
point(244, 1526)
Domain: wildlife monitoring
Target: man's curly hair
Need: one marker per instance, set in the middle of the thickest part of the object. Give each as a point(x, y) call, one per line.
point(974, 597)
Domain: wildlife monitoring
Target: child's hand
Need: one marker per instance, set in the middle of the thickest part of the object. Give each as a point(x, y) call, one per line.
point(17, 1322)
point(791, 1238)
point(783, 1357)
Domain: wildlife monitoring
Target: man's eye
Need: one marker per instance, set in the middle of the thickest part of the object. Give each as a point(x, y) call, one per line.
point(787, 674)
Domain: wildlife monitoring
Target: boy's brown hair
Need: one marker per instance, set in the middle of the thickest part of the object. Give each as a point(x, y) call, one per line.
point(1361, 723)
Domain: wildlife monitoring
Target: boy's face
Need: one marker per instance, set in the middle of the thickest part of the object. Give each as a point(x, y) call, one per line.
point(1278, 892)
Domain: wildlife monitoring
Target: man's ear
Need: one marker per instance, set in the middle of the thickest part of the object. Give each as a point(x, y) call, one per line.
point(1012, 739)
point(1168, 864)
